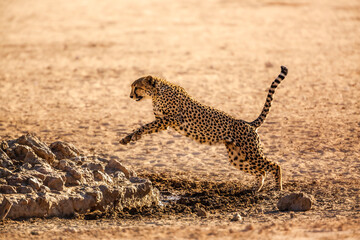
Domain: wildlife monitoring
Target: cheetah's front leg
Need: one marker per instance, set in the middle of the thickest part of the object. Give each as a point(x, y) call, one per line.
point(155, 126)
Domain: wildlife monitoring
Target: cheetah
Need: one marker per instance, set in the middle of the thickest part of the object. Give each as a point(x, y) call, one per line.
point(174, 107)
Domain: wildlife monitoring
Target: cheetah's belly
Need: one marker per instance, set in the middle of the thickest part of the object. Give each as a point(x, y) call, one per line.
point(202, 133)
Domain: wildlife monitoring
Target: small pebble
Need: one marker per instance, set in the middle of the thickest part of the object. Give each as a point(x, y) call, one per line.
point(34, 232)
point(249, 227)
point(236, 217)
point(201, 212)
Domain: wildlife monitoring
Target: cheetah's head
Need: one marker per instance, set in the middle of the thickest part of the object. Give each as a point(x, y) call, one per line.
point(143, 88)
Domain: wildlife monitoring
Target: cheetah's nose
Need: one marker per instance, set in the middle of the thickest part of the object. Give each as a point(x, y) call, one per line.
point(131, 96)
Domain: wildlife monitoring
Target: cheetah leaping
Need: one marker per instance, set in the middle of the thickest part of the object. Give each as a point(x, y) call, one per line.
point(174, 107)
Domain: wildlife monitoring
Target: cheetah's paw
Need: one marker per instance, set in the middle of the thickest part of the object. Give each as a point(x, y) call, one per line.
point(126, 139)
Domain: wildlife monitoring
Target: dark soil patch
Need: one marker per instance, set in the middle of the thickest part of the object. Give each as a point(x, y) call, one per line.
point(183, 195)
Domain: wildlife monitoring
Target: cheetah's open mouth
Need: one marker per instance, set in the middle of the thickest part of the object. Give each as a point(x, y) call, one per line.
point(138, 98)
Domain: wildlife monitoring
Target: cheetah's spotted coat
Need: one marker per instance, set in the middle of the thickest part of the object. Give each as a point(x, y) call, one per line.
point(173, 107)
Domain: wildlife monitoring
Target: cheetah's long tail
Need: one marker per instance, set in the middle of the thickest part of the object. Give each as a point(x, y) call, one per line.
point(257, 122)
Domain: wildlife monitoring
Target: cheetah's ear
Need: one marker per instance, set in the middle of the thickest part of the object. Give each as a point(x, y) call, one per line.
point(151, 80)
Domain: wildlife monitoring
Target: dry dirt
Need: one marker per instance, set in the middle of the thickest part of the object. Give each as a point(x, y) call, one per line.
point(65, 72)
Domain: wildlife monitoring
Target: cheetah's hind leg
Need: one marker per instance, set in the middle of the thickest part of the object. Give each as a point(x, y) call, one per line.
point(260, 178)
point(239, 160)
point(277, 172)
point(274, 169)
point(265, 166)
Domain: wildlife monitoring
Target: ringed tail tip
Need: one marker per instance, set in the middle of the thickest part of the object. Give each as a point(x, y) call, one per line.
point(284, 70)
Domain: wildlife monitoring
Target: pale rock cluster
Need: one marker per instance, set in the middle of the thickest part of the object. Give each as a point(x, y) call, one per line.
point(38, 180)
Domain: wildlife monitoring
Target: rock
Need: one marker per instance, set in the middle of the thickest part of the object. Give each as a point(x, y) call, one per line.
point(62, 183)
point(40, 148)
point(43, 168)
point(34, 183)
point(3, 155)
point(4, 172)
point(19, 151)
point(76, 176)
point(34, 232)
point(5, 208)
point(95, 166)
point(32, 158)
point(70, 180)
point(16, 179)
point(55, 183)
point(100, 176)
point(237, 217)
point(295, 202)
point(119, 177)
point(201, 212)
point(132, 173)
point(29, 206)
point(38, 175)
point(142, 185)
point(80, 160)
point(44, 189)
point(6, 189)
point(3, 145)
point(63, 164)
point(24, 189)
point(64, 150)
point(249, 227)
point(76, 173)
point(115, 165)
point(71, 230)
point(26, 166)
point(5, 160)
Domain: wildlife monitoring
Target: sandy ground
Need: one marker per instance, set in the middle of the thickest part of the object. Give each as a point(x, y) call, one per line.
point(66, 70)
